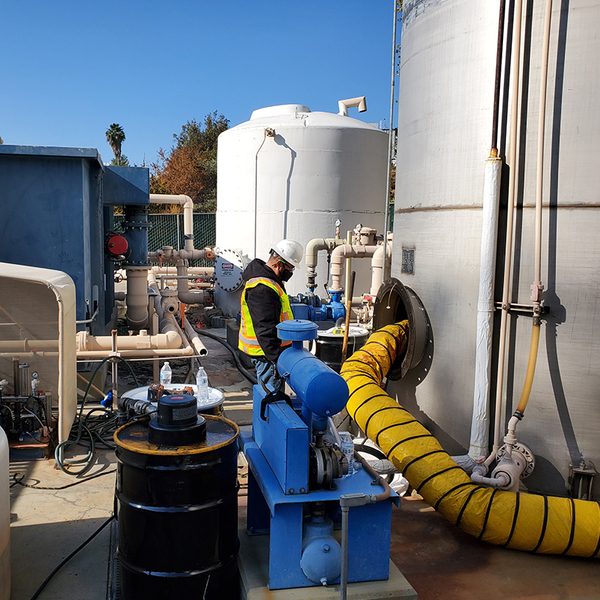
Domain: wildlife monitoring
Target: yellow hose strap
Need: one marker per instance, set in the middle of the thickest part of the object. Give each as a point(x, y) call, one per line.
point(523, 521)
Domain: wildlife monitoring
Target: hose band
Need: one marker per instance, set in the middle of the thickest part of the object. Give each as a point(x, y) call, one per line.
point(387, 351)
point(427, 479)
point(487, 514)
point(418, 458)
point(367, 401)
point(408, 439)
point(363, 351)
point(597, 549)
point(379, 411)
point(464, 506)
point(544, 524)
point(450, 491)
point(572, 526)
point(514, 523)
point(391, 427)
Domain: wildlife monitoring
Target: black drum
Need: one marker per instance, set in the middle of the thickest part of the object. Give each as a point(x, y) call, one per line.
point(177, 514)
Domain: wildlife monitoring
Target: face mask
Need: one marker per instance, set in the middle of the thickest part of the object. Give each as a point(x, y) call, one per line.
point(286, 275)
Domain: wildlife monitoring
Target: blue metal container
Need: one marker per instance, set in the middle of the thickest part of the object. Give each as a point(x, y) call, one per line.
point(57, 208)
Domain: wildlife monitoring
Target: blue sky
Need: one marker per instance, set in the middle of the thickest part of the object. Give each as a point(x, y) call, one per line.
point(70, 68)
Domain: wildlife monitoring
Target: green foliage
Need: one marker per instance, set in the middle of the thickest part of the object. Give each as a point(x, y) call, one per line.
point(122, 162)
point(190, 167)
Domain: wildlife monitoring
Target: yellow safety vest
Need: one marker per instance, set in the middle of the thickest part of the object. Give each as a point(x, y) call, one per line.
point(247, 339)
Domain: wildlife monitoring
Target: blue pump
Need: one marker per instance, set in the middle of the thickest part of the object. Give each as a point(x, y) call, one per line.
point(296, 478)
point(312, 309)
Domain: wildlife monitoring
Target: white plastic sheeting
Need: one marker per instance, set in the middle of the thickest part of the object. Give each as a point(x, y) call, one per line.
point(39, 304)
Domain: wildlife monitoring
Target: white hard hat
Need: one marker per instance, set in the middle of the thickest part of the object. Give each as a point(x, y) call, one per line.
point(289, 250)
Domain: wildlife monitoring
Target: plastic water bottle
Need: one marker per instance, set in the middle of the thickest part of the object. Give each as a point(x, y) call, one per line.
point(348, 450)
point(165, 374)
point(202, 385)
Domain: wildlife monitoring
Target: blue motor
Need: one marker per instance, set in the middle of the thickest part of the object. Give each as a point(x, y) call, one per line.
point(320, 388)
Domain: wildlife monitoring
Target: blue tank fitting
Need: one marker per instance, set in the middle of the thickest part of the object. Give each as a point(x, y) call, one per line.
point(135, 229)
point(321, 559)
point(319, 387)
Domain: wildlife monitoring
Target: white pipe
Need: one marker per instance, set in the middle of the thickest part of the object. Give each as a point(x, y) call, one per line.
point(311, 256)
point(195, 339)
point(191, 270)
point(485, 309)
point(188, 252)
point(379, 266)
point(184, 293)
point(137, 298)
point(344, 105)
point(337, 261)
point(188, 213)
point(170, 340)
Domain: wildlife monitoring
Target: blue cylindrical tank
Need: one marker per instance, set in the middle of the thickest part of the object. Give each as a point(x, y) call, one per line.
point(319, 387)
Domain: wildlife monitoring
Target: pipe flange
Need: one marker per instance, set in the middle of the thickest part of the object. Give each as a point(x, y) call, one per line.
point(229, 266)
point(396, 302)
point(525, 454)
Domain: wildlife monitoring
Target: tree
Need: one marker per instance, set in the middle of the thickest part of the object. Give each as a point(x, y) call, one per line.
point(190, 167)
point(122, 162)
point(115, 136)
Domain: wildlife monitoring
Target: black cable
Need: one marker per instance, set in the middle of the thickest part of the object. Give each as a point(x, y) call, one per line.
point(66, 560)
point(62, 487)
point(251, 378)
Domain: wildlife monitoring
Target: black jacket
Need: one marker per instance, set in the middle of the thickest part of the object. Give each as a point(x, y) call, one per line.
point(264, 305)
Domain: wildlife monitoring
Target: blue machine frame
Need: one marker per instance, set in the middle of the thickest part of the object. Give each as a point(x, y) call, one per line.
point(278, 493)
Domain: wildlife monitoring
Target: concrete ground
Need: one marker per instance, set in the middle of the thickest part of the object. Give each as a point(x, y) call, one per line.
point(437, 559)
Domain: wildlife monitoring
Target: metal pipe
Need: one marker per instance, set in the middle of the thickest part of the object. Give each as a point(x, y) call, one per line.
point(514, 157)
point(386, 223)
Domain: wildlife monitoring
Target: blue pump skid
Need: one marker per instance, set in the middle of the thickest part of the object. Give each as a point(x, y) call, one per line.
point(303, 551)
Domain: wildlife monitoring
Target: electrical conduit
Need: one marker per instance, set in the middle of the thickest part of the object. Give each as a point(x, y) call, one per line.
point(548, 525)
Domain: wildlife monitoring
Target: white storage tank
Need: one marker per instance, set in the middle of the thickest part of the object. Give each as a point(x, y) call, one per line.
point(444, 137)
point(292, 173)
point(4, 519)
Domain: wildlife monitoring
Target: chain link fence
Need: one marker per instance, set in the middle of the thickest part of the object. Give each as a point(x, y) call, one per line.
point(167, 230)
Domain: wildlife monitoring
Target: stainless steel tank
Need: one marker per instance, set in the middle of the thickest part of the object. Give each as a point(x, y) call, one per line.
point(444, 137)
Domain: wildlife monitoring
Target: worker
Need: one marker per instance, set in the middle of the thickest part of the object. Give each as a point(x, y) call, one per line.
point(265, 304)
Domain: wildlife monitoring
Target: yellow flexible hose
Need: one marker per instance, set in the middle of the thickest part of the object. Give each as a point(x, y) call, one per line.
point(533, 352)
point(523, 521)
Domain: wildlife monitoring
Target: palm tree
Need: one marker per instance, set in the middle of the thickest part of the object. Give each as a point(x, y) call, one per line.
point(115, 136)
